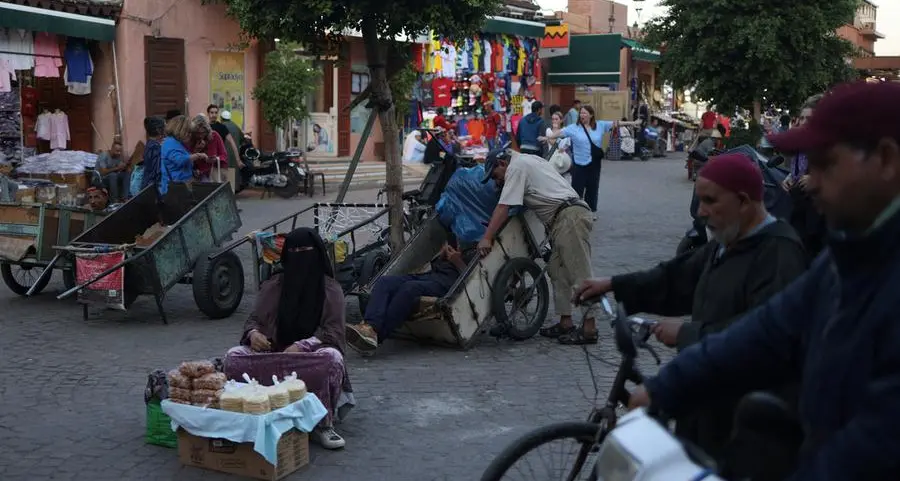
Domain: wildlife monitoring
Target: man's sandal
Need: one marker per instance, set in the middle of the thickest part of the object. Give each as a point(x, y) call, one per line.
point(555, 331)
point(578, 338)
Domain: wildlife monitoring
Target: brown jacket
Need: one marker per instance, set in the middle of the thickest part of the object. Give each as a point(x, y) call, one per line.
point(265, 313)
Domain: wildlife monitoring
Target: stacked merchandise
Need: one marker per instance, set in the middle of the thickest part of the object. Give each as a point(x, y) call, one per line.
point(58, 162)
point(196, 383)
point(11, 148)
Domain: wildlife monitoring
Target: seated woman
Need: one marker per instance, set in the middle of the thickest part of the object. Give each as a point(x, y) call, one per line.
point(301, 311)
point(395, 299)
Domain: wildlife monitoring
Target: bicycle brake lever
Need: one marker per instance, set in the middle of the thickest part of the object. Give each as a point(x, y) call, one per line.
point(652, 352)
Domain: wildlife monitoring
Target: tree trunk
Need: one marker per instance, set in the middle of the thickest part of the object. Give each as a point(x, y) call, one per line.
point(382, 102)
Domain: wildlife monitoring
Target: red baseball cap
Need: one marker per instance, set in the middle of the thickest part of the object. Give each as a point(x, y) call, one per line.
point(857, 112)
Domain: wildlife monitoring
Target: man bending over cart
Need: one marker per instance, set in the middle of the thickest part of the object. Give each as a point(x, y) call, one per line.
point(530, 181)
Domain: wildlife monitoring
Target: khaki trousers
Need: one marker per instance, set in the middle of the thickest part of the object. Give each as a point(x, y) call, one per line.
point(570, 259)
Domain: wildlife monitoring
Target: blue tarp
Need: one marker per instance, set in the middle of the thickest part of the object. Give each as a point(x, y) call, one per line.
point(466, 205)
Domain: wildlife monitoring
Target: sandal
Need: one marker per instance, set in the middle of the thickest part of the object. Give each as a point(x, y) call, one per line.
point(555, 331)
point(578, 338)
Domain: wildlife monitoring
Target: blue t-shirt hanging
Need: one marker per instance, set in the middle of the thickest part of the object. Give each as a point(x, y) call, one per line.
point(78, 61)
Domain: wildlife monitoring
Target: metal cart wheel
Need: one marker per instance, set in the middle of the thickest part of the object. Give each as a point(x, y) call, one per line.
point(373, 263)
point(19, 278)
point(513, 294)
point(218, 284)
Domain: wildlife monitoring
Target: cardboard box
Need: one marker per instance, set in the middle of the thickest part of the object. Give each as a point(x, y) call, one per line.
point(25, 195)
point(240, 459)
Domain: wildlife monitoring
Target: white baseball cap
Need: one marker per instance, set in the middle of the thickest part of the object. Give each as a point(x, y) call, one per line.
point(225, 115)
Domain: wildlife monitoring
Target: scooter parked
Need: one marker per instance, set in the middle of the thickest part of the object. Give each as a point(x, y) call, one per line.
point(279, 172)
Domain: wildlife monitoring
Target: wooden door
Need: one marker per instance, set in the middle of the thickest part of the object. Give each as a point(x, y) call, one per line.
point(166, 85)
point(52, 95)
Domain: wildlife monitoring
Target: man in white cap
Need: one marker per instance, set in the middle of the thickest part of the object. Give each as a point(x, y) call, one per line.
point(530, 181)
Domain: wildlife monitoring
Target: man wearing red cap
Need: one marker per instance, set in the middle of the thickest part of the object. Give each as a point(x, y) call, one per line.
point(751, 257)
point(836, 329)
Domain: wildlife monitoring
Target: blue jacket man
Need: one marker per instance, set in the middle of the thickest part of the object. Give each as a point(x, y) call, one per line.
point(836, 328)
point(530, 128)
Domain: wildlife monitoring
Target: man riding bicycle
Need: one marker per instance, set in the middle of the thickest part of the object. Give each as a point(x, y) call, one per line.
point(835, 329)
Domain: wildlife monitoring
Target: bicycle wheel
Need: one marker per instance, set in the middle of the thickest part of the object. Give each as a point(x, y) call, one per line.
point(511, 463)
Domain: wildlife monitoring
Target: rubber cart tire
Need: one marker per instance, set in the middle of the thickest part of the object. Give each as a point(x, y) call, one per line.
point(373, 263)
point(218, 284)
point(8, 272)
point(510, 275)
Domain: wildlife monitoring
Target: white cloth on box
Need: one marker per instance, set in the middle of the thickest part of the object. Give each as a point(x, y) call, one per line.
point(263, 430)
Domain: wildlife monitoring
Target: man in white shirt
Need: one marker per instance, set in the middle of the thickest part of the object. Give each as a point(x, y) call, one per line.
point(414, 148)
point(530, 181)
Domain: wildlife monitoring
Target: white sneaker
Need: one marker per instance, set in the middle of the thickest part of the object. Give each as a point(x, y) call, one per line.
point(328, 438)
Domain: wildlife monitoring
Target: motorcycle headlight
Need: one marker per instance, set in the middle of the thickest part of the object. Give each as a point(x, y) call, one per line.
point(615, 464)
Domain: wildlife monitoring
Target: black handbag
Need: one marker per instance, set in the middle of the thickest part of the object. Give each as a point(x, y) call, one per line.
point(596, 151)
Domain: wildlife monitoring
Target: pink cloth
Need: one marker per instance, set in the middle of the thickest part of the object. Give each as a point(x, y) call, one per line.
point(47, 66)
point(59, 131)
point(320, 367)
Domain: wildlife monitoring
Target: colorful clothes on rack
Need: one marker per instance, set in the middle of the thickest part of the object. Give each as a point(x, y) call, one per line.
point(47, 60)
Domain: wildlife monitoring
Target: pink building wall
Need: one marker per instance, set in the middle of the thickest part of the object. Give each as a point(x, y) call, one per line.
point(204, 28)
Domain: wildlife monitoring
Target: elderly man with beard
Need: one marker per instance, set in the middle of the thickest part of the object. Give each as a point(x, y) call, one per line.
point(751, 257)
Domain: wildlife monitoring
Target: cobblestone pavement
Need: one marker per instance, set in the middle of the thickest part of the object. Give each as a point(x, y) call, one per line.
point(71, 391)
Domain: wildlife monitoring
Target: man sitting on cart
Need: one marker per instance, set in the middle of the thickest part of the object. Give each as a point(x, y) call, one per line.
point(395, 299)
point(530, 181)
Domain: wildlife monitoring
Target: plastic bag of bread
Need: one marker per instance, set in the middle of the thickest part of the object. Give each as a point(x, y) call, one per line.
point(231, 401)
point(296, 388)
point(205, 397)
point(256, 400)
point(195, 369)
point(180, 394)
point(278, 396)
point(176, 379)
point(210, 382)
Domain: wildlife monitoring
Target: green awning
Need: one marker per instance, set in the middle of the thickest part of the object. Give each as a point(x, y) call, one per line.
point(640, 51)
point(513, 26)
point(592, 60)
point(61, 23)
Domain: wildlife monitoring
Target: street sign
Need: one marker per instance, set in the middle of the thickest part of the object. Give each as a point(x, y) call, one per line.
point(556, 41)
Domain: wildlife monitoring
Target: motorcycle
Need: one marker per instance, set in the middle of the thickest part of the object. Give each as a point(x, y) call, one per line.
point(777, 201)
point(280, 172)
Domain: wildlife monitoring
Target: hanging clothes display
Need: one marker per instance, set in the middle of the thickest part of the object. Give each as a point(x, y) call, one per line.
point(79, 67)
point(47, 60)
point(59, 130)
point(7, 75)
point(18, 48)
point(42, 126)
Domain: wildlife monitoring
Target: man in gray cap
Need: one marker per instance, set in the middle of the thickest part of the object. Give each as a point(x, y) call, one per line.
point(530, 181)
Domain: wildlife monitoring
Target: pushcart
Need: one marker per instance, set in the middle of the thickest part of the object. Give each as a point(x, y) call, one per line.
point(356, 236)
point(194, 221)
point(28, 232)
point(509, 286)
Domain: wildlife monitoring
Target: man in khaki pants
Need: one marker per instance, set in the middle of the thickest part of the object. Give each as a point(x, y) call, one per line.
point(530, 181)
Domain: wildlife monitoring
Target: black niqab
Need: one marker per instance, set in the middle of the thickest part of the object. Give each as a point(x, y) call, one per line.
point(305, 261)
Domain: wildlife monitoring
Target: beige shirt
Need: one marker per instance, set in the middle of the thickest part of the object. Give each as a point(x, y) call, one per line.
point(532, 182)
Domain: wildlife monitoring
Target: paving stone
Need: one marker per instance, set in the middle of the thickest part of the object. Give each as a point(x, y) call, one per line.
point(72, 391)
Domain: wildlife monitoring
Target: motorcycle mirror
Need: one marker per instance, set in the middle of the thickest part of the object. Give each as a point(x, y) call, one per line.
point(775, 161)
point(624, 336)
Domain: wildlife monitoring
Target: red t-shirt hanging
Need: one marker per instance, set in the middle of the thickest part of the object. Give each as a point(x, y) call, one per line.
point(491, 121)
point(441, 88)
point(418, 51)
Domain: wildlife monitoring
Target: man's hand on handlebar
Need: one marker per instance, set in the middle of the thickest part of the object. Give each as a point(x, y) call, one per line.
point(666, 332)
point(639, 398)
point(592, 289)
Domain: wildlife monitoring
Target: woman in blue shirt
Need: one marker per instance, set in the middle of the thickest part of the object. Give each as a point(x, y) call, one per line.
point(176, 159)
point(586, 169)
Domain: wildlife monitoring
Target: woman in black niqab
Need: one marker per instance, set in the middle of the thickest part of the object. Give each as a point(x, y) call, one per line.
point(305, 261)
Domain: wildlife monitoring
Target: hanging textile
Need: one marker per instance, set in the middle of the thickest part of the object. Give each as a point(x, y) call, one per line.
point(79, 67)
point(47, 59)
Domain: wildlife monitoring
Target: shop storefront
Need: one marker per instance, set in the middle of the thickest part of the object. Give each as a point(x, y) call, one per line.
point(47, 62)
point(496, 72)
point(641, 63)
